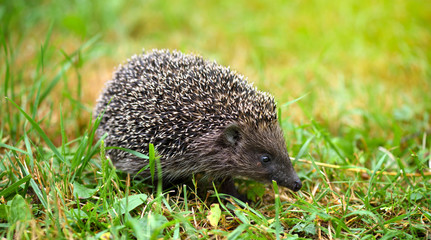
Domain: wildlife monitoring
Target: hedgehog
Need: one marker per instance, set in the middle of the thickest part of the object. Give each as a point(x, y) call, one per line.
point(202, 118)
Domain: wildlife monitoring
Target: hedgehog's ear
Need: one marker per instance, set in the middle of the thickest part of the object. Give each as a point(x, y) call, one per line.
point(231, 134)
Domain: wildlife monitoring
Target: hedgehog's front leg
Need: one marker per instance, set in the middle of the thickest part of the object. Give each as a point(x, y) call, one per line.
point(228, 186)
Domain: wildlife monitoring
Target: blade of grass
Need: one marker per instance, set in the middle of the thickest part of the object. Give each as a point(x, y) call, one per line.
point(303, 148)
point(138, 154)
point(40, 70)
point(294, 100)
point(54, 82)
point(14, 186)
point(65, 66)
point(329, 141)
point(40, 131)
point(277, 210)
point(372, 179)
point(41, 195)
point(63, 132)
point(91, 150)
point(151, 161)
point(13, 148)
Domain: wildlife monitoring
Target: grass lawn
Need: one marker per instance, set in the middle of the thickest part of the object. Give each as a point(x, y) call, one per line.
point(352, 80)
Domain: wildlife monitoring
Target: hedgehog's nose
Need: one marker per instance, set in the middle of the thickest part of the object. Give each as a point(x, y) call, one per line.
point(297, 185)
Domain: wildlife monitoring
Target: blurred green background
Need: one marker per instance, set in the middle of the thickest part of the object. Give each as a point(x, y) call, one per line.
point(362, 69)
point(363, 64)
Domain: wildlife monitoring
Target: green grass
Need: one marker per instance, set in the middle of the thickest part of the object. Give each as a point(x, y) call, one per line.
point(361, 131)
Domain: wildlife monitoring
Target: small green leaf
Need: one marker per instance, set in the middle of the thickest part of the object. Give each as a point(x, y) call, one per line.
point(416, 196)
point(77, 213)
point(138, 229)
point(19, 210)
point(128, 204)
point(310, 229)
point(3, 211)
point(403, 113)
point(82, 191)
point(150, 226)
point(305, 228)
point(214, 215)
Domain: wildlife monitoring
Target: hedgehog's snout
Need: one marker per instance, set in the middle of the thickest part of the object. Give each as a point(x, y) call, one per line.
point(297, 185)
point(293, 183)
point(287, 177)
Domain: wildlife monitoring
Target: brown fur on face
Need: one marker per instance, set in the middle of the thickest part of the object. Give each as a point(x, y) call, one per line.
point(238, 149)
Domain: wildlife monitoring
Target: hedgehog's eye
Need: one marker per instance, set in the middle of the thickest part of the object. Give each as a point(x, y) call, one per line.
point(265, 158)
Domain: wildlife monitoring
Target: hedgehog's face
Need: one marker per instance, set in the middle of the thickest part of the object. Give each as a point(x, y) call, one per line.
point(260, 153)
